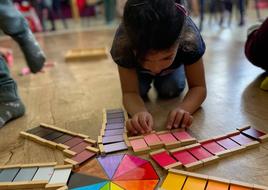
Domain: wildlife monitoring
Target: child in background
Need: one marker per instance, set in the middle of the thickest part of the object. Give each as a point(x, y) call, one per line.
point(157, 42)
point(256, 48)
point(13, 24)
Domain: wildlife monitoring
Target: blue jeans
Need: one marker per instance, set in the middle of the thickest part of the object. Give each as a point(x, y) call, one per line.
point(167, 86)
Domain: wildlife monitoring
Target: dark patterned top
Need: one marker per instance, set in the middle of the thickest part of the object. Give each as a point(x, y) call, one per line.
point(191, 48)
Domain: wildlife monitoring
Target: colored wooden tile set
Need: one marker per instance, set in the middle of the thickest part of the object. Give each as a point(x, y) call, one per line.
point(77, 147)
point(181, 180)
point(112, 135)
point(208, 151)
point(48, 176)
point(115, 172)
point(155, 140)
point(86, 54)
point(119, 172)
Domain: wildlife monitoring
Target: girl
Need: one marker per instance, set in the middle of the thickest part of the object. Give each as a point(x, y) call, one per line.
point(158, 43)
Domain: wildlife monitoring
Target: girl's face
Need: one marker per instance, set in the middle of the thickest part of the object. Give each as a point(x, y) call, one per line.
point(157, 60)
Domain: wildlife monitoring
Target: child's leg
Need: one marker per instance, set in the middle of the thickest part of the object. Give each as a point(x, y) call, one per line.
point(14, 25)
point(10, 105)
point(170, 85)
point(145, 81)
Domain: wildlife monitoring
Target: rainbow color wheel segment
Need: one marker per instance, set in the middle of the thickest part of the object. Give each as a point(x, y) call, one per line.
point(116, 172)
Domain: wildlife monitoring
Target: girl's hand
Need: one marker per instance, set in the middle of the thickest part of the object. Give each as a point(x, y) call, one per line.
point(140, 123)
point(179, 118)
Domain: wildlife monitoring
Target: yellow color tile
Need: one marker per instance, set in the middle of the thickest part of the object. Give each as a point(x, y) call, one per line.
point(194, 184)
point(173, 182)
point(213, 185)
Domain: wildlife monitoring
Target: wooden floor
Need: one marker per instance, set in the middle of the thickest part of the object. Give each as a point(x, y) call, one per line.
point(72, 96)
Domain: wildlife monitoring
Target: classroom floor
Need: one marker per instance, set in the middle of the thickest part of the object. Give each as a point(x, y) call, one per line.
point(72, 96)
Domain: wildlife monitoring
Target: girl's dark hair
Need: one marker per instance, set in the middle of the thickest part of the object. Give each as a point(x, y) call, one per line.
point(152, 24)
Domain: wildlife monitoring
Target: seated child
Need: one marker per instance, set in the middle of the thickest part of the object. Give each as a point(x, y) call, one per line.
point(157, 42)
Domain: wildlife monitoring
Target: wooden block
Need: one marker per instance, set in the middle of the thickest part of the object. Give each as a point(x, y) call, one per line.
point(135, 137)
point(4, 185)
point(210, 160)
point(72, 162)
point(126, 140)
point(217, 179)
point(192, 146)
point(173, 145)
point(252, 144)
point(66, 166)
point(157, 152)
point(101, 147)
point(24, 134)
point(104, 116)
point(176, 165)
point(243, 128)
point(189, 174)
point(54, 186)
point(91, 141)
point(38, 165)
point(242, 184)
point(63, 188)
point(26, 184)
point(232, 133)
point(50, 144)
point(224, 153)
point(99, 139)
point(86, 54)
point(238, 149)
point(188, 141)
point(142, 151)
point(259, 187)
point(69, 153)
point(219, 137)
point(92, 149)
point(62, 146)
point(177, 149)
point(10, 166)
point(264, 138)
point(193, 166)
point(82, 136)
point(205, 140)
point(36, 139)
point(162, 132)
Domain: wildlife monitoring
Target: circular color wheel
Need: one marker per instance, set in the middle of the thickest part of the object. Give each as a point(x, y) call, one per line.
point(116, 172)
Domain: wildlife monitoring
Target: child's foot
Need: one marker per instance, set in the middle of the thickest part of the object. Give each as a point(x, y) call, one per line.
point(264, 84)
point(34, 56)
point(10, 111)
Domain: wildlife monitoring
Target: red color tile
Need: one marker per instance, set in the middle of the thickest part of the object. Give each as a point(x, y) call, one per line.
point(83, 156)
point(143, 172)
point(129, 163)
point(74, 141)
point(227, 143)
point(152, 139)
point(138, 144)
point(200, 153)
point(163, 159)
point(167, 138)
point(182, 135)
point(241, 139)
point(213, 147)
point(253, 133)
point(80, 147)
point(184, 157)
